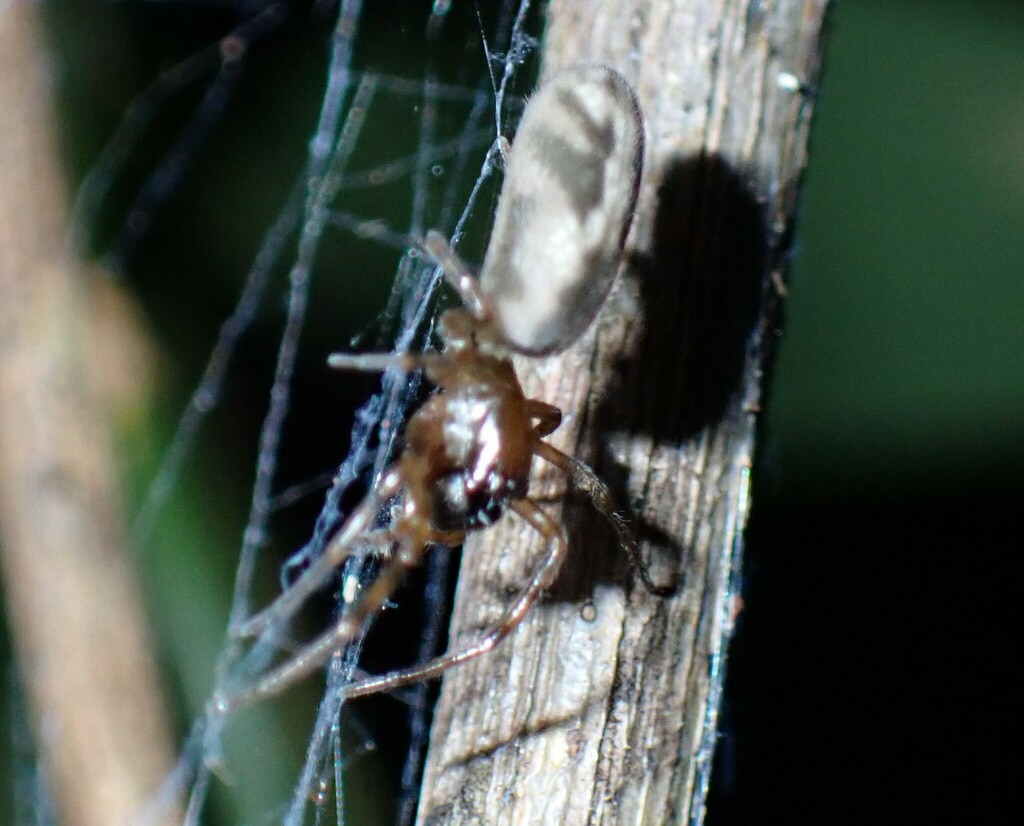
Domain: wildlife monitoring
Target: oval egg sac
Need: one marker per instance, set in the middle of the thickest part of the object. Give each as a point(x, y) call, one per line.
point(565, 208)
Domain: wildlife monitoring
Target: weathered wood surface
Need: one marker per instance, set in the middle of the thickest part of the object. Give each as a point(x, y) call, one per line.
point(602, 707)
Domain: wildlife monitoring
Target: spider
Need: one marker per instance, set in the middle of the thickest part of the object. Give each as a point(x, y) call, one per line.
point(565, 209)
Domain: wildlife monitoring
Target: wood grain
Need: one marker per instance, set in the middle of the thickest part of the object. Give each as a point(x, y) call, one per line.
point(601, 707)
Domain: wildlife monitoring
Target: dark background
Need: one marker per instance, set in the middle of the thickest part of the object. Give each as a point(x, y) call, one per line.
point(876, 675)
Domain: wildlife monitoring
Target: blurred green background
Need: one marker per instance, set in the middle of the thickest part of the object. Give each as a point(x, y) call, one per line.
point(879, 649)
point(903, 344)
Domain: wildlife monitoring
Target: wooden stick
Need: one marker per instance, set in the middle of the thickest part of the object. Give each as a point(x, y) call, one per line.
point(602, 707)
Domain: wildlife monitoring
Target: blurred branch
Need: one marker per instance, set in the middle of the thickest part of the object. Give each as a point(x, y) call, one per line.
point(72, 593)
point(602, 707)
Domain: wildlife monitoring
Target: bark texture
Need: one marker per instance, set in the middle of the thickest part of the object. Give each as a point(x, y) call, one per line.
point(71, 591)
point(601, 707)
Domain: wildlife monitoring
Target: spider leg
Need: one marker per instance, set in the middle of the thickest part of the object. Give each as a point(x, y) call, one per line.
point(316, 653)
point(541, 580)
point(379, 362)
point(457, 274)
point(357, 529)
point(547, 415)
point(584, 479)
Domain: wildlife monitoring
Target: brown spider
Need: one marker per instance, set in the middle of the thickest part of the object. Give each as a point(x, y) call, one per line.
point(562, 220)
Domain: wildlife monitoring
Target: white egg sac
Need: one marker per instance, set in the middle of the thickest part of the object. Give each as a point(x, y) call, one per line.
point(565, 208)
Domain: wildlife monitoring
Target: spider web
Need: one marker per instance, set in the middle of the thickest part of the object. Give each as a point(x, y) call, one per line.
point(463, 103)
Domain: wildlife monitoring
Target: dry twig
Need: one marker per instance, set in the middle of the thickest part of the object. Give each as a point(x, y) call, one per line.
point(601, 708)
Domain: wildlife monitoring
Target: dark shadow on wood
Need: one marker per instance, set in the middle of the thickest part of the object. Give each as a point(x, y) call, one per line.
point(699, 294)
point(700, 290)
